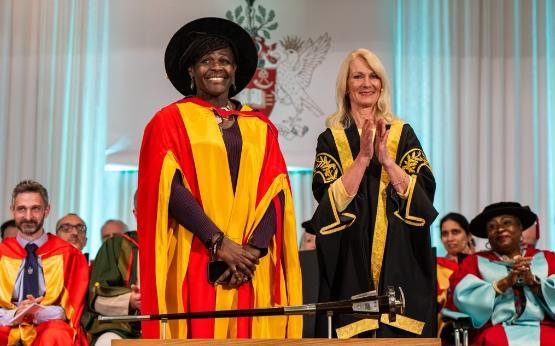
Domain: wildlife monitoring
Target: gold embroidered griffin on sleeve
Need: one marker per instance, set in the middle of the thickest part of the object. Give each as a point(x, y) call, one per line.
point(327, 167)
point(414, 160)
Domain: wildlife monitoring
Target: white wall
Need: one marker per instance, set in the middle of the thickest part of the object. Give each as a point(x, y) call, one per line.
point(140, 30)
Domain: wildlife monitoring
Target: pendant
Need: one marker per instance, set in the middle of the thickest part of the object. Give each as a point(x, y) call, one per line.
point(30, 270)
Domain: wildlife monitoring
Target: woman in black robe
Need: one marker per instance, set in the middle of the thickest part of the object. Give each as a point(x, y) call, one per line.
point(375, 190)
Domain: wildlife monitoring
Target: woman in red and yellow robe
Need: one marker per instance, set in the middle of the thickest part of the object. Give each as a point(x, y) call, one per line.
point(184, 137)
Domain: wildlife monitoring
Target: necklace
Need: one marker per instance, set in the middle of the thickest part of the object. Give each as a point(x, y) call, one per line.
point(219, 119)
point(506, 258)
point(228, 107)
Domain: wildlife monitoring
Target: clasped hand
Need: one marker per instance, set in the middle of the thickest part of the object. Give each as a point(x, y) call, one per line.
point(25, 303)
point(520, 269)
point(135, 298)
point(241, 260)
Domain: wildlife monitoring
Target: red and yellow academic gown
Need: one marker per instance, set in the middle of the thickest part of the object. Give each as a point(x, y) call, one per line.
point(444, 269)
point(66, 276)
point(185, 137)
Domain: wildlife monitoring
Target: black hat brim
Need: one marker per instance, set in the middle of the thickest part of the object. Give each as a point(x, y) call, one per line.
point(245, 49)
point(307, 225)
point(478, 225)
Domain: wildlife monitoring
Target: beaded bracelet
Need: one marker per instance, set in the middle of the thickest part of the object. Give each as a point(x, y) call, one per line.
point(215, 246)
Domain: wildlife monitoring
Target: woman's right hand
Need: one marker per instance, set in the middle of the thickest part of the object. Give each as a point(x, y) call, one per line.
point(238, 259)
point(353, 175)
point(520, 268)
point(366, 141)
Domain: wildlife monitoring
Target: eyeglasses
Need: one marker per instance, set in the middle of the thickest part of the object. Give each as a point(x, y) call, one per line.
point(66, 228)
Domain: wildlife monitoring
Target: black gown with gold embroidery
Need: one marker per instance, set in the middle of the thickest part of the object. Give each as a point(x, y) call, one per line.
point(380, 239)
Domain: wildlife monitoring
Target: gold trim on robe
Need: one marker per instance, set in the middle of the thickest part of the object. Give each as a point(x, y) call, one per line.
point(380, 227)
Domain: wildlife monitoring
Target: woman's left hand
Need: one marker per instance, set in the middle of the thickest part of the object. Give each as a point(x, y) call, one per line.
point(381, 144)
point(238, 277)
point(241, 263)
point(252, 250)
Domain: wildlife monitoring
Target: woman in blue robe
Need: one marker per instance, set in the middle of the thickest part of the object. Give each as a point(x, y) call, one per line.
point(508, 292)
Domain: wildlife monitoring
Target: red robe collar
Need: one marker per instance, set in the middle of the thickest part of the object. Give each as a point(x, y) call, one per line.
point(226, 113)
point(54, 245)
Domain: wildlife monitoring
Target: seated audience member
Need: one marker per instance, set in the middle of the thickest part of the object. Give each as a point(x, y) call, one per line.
point(531, 235)
point(456, 239)
point(73, 229)
point(44, 279)
point(113, 289)
point(308, 239)
point(112, 227)
point(508, 292)
point(9, 229)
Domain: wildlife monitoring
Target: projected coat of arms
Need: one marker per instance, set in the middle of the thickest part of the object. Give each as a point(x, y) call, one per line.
point(285, 68)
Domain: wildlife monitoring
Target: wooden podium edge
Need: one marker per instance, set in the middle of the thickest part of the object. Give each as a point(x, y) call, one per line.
point(279, 342)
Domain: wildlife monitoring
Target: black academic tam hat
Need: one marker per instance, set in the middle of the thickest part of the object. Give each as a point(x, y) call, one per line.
point(244, 49)
point(478, 224)
point(307, 225)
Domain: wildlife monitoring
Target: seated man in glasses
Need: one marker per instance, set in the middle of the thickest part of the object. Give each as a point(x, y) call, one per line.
point(73, 229)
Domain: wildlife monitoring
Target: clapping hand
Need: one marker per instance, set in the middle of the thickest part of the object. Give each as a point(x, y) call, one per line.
point(381, 143)
point(521, 269)
point(366, 141)
point(520, 273)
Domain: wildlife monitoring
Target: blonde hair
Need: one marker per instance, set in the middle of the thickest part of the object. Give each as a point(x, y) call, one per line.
point(342, 118)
